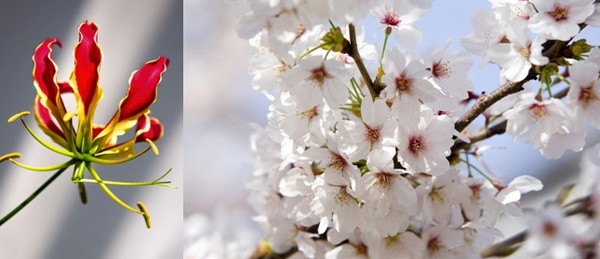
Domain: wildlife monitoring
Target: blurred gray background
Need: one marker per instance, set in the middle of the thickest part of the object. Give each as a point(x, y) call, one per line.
point(56, 224)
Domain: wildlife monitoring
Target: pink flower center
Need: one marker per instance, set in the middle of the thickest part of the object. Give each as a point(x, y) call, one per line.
point(416, 145)
point(392, 240)
point(538, 110)
point(337, 162)
point(372, 134)
point(437, 194)
point(525, 53)
point(384, 180)
point(343, 197)
point(440, 69)
point(475, 192)
point(549, 229)
point(318, 75)
point(434, 244)
point(587, 96)
point(559, 13)
point(391, 18)
point(310, 113)
point(403, 83)
point(361, 249)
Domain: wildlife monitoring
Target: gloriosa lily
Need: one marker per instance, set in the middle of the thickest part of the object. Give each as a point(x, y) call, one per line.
point(88, 143)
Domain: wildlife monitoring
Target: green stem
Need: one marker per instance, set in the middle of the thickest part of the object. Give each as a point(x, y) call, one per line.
point(468, 164)
point(310, 51)
point(388, 31)
point(479, 171)
point(32, 196)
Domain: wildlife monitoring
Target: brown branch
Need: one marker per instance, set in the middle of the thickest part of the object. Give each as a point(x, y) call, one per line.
point(552, 49)
point(497, 129)
point(359, 62)
point(485, 101)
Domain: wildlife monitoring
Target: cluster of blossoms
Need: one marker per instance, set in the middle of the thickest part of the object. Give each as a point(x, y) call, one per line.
point(351, 166)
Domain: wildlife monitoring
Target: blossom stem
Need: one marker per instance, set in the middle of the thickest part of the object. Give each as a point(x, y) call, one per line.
point(388, 31)
point(359, 62)
point(311, 50)
point(469, 165)
point(32, 196)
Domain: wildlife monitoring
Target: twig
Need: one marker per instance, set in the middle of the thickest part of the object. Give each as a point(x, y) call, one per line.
point(485, 101)
point(359, 62)
point(497, 129)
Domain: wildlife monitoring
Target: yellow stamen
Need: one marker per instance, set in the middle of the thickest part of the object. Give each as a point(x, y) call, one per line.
point(44, 143)
point(153, 146)
point(9, 156)
point(42, 169)
point(145, 214)
point(100, 160)
point(17, 116)
point(68, 116)
point(82, 193)
point(109, 192)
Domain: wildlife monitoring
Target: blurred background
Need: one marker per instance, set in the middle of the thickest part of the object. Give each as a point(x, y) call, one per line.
point(220, 106)
point(56, 224)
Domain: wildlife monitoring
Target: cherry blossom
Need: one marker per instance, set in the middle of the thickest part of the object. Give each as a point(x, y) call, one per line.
point(367, 154)
point(400, 15)
point(372, 132)
point(328, 76)
point(517, 57)
point(560, 19)
point(448, 71)
point(584, 93)
point(424, 142)
point(405, 78)
point(549, 234)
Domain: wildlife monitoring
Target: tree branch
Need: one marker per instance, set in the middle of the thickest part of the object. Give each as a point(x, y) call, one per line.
point(485, 101)
point(359, 62)
point(497, 129)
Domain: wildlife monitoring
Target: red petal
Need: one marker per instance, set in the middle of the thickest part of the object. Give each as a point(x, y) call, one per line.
point(65, 87)
point(48, 126)
point(141, 94)
point(153, 131)
point(44, 74)
point(87, 63)
point(142, 90)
